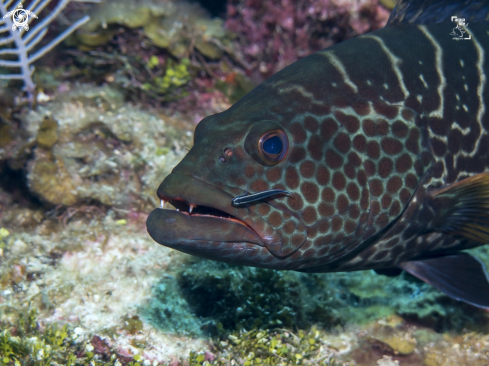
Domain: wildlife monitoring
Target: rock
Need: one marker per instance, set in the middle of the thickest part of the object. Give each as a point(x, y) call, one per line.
point(403, 345)
point(52, 182)
point(90, 147)
point(387, 361)
point(173, 25)
point(48, 133)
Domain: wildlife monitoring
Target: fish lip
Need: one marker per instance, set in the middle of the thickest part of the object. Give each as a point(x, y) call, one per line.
point(189, 234)
point(189, 190)
point(195, 214)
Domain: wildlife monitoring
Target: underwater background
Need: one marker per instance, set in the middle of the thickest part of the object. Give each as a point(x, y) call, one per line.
point(86, 138)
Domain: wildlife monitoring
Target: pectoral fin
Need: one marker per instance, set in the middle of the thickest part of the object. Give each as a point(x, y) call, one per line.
point(460, 276)
point(463, 208)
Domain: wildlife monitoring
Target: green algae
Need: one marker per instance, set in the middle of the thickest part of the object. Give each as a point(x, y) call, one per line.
point(176, 75)
point(271, 347)
point(56, 344)
point(229, 298)
point(25, 344)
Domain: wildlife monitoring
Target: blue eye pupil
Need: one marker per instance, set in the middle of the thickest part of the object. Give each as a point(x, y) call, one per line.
point(273, 145)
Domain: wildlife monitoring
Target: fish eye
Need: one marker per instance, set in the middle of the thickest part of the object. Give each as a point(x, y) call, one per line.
point(267, 143)
point(272, 145)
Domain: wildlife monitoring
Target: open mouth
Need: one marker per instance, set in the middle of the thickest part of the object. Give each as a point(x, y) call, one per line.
point(197, 228)
point(190, 209)
point(204, 215)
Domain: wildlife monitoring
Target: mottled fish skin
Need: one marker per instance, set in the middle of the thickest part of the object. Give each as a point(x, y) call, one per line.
point(374, 124)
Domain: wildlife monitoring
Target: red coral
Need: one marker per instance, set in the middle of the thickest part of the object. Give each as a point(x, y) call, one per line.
point(272, 34)
point(100, 347)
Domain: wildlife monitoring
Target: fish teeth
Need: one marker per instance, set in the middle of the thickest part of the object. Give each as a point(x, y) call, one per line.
point(162, 203)
point(190, 208)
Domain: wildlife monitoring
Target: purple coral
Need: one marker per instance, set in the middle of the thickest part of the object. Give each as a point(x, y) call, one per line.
point(272, 34)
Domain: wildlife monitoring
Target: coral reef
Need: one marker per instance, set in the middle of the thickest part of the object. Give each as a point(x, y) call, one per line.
point(94, 290)
point(279, 347)
point(273, 34)
point(88, 146)
point(177, 26)
point(81, 281)
point(158, 51)
point(86, 276)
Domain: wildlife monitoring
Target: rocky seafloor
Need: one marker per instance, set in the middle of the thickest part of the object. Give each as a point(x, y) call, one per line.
point(81, 281)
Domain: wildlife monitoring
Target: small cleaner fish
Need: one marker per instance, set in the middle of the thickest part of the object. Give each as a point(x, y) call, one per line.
point(370, 154)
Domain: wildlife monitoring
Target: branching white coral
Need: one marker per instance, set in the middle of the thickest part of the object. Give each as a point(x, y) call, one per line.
point(22, 41)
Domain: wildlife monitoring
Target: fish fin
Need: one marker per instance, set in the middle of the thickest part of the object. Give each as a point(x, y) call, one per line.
point(463, 208)
point(438, 11)
point(460, 276)
point(389, 272)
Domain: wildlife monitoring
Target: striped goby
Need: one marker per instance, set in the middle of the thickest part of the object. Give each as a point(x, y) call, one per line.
point(382, 142)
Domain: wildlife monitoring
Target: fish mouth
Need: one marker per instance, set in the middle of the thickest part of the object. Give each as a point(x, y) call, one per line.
point(212, 218)
point(191, 209)
point(204, 215)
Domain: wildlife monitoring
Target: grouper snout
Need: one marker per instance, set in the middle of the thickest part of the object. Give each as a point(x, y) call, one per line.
point(206, 224)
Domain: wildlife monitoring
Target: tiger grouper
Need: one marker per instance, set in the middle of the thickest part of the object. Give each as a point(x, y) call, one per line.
point(370, 154)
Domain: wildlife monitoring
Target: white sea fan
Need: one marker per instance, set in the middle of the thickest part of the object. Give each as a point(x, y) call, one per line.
point(22, 41)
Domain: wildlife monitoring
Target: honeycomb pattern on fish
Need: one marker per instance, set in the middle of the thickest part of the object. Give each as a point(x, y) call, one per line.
point(342, 166)
point(368, 140)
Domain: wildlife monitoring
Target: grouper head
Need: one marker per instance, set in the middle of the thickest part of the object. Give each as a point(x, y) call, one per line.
point(331, 137)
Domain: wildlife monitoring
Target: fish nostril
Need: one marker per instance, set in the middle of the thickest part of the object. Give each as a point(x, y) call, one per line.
point(228, 152)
